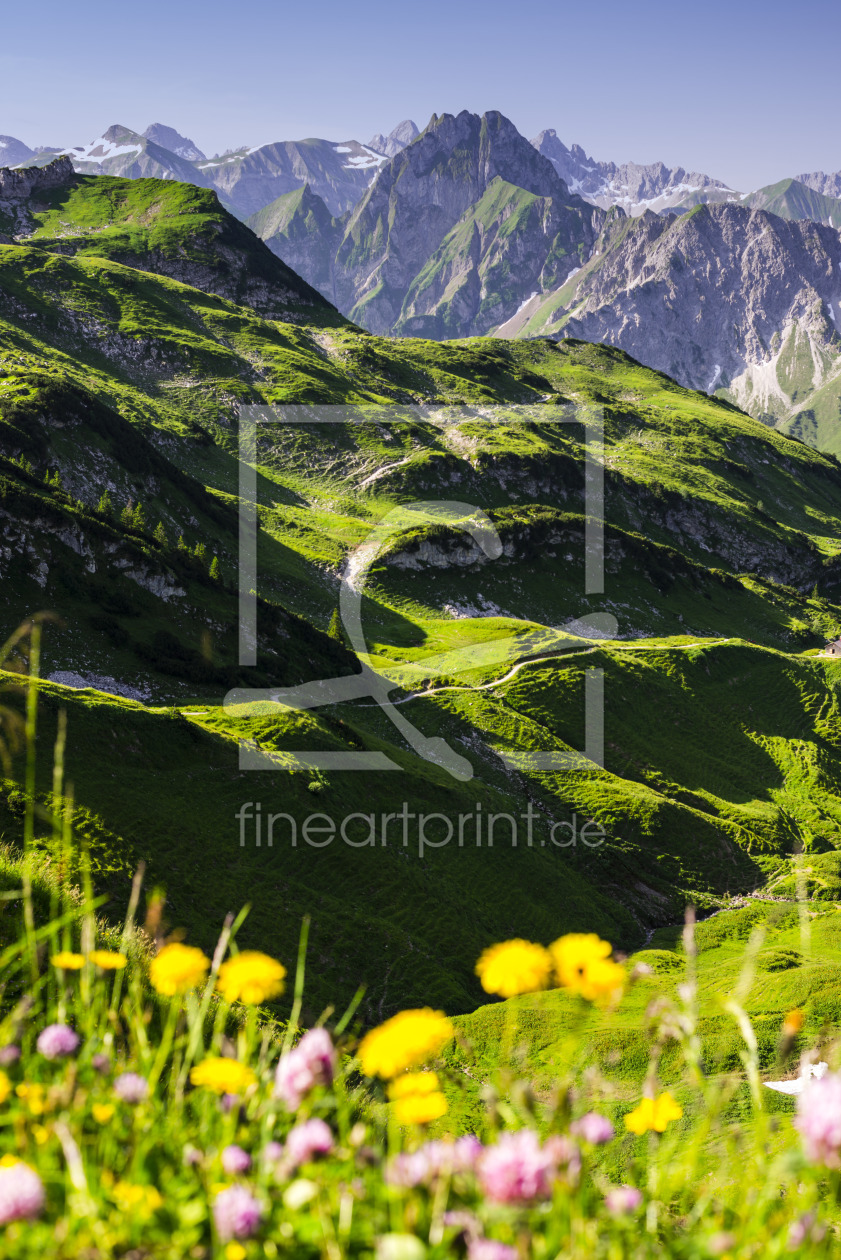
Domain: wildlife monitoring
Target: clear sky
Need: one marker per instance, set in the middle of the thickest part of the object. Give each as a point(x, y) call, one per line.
point(745, 90)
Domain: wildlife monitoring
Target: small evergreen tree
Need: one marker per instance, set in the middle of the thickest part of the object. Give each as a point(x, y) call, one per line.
point(127, 514)
point(160, 535)
point(104, 505)
point(199, 552)
point(214, 568)
point(139, 518)
point(182, 546)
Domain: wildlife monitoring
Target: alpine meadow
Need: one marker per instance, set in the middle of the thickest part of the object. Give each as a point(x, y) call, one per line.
point(420, 800)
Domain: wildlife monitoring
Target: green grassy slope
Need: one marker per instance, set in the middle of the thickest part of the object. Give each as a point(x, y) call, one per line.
point(721, 762)
point(719, 755)
point(793, 962)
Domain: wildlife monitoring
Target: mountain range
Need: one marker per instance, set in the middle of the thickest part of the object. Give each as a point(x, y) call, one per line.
point(468, 229)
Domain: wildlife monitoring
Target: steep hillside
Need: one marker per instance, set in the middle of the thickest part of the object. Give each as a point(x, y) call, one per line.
point(791, 199)
point(175, 230)
point(719, 754)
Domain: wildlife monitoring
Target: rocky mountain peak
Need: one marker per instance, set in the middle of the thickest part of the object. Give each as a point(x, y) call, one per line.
point(401, 136)
point(169, 138)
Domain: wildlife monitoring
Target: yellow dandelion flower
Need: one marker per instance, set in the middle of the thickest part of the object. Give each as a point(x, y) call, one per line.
point(413, 1083)
point(583, 965)
point(5, 1087)
point(420, 1108)
point(68, 961)
point(178, 968)
point(222, 1076)
point(653, 1114)
point(416, 1098)
point(102, 1112)
point(108, 959)
point(251, 977)
point(514, 967)
point(405, 1041)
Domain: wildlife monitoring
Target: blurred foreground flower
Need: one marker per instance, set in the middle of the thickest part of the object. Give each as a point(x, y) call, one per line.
point(307, 1140)
point(56, 1041)
point(417, 1098)
point(621, 1200)
point(237, 1213)
point(312, 1062)
point(517, 1169)
point(592, 1128)
point(653, 1114)
point(131, 1088)
point(235, 1160)
point(818, 1119)
point(178, 968)
point(405, 1041)
point(514, 967)
point(251, 977)
point(68, 961)
point(222, 1076)
point(584, 966)
point(21, 1191)
point(108, 959)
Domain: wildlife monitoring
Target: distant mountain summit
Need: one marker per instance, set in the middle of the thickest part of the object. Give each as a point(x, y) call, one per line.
point(829, 185)
point(13, 152)
point(633, 187)
point(169, 138)
point(402, 135)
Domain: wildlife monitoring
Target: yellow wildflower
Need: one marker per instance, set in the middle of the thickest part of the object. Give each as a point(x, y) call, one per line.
point(68, 961)
point(514, 967)
point(5, 1087)
point(135, 1198)
point(9, 1161)
point(235, 1251)
point(40, 1134)
point(405, 1041)
point(583, 965)
point(417, 1098)
point(102, 1112)
point(108, 959)
point(653, 1113)
point(223, 1076)
point(793, 1023)
point(33, 1096)
point(178, 968)
point(251, 977)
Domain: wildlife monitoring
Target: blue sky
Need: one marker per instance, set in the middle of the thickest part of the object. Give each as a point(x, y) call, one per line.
point(745, 91)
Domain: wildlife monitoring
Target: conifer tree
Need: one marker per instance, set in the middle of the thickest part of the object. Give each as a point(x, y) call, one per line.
point(104, 504)
point(160, 535)
point(214, 568)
